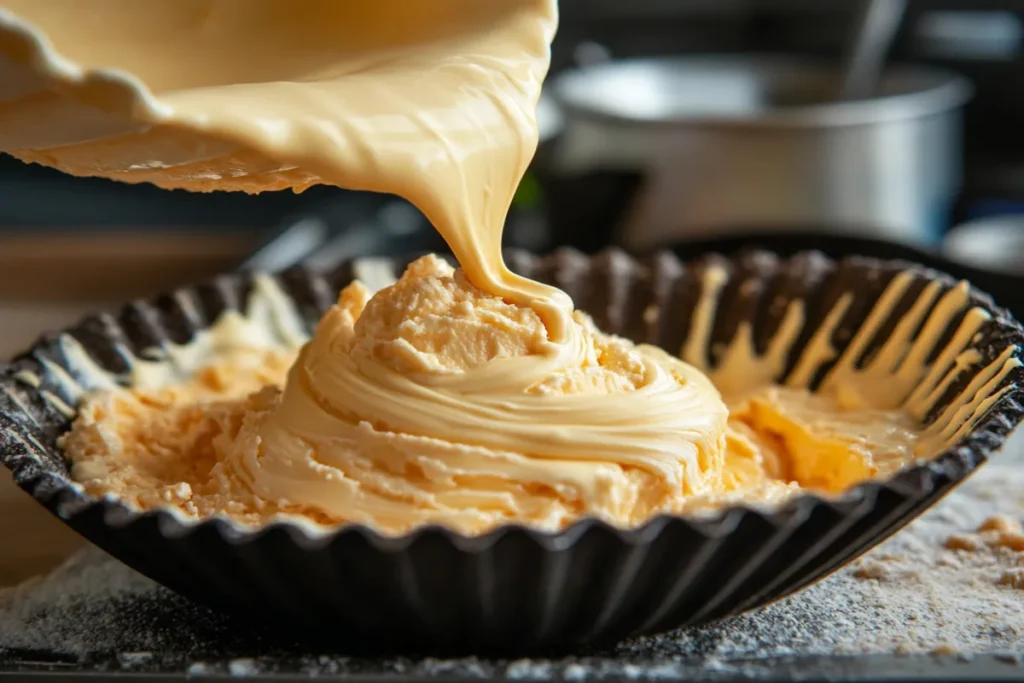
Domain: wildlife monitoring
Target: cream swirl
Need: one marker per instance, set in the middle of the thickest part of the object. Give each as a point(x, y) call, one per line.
point(466, 409)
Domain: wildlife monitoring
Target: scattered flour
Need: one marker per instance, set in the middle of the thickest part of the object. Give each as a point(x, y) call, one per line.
point(243, 666)
point(950, 584)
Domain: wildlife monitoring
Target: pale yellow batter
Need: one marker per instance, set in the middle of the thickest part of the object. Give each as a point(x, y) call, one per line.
point(217, 444)
point(373, 426)
point(467, 399)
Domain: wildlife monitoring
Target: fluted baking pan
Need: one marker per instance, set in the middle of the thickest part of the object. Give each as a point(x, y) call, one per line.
point(513, 589)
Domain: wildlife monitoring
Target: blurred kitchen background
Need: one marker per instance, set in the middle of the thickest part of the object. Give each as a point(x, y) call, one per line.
point(740, 132)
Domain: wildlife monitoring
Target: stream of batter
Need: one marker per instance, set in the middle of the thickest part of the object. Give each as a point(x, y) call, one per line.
point(467, 398)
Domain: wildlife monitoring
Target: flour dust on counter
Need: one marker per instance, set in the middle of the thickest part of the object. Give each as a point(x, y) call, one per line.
point(919, 593)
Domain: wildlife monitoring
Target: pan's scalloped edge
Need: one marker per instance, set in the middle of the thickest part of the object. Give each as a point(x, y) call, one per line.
point(513, 589)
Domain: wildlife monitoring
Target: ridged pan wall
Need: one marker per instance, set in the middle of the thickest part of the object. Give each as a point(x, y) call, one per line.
point(513, 590)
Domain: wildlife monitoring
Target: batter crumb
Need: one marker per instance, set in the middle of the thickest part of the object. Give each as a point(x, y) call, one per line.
point(1014, 542)
point(1014, 578)
point(1002, 524)
point(998, 538)
point(871, 569)
point(969, 542)
point(998, 533)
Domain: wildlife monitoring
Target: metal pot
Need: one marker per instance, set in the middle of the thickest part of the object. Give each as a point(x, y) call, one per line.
point(740, 143)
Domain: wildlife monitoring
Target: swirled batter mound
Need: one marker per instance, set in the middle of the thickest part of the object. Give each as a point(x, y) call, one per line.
point(417, 405)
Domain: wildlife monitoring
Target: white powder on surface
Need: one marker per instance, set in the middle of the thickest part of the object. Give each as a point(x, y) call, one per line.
point(244, 666)
point(912, 595)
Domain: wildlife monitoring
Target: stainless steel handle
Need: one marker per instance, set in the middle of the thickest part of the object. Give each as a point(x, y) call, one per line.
point(875, 29)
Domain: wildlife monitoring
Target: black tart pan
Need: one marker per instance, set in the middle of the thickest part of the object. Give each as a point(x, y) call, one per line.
point(513, 590)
